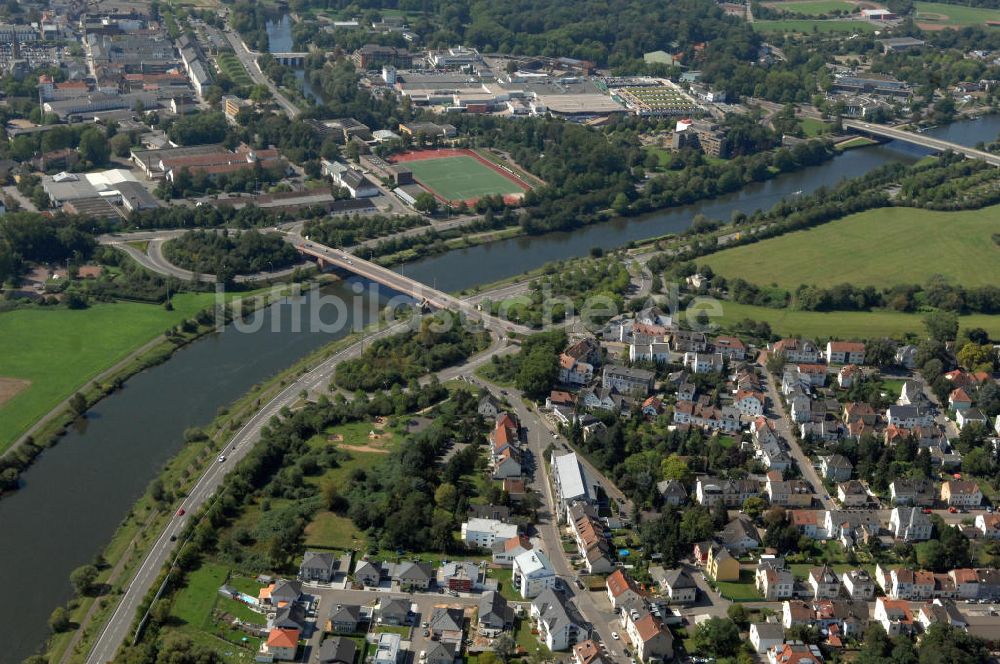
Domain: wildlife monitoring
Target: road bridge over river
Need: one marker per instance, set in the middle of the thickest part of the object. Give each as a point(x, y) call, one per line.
point(923, 140)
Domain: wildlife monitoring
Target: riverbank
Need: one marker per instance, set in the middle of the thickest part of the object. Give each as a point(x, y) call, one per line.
point(146, 520)
point(59, 370)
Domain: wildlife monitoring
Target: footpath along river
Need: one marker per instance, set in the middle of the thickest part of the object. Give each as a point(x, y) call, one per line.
point(77, 493)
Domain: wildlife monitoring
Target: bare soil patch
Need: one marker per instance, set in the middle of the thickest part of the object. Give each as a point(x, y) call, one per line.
point(11, 387)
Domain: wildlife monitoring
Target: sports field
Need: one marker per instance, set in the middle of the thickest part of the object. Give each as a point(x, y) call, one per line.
point(461, 177)
point(59, 350)
point(877, 247)
point(931, 15)
point(806, 26)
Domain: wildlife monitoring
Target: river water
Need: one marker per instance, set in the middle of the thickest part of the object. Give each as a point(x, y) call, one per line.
point(77, 493)
point(279, 40)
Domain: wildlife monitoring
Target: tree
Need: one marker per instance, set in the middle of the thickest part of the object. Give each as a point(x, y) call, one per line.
point(94, 146)
point(717, 637)
point(976, 357)
point(505, 647)
point(83, 579)
point(121, 144)
point(754, 506)
point(78, 403)
point(880, 352)
point(426, 202)
point(446, 497)
point(674, 467)
point(942, 326)
point(59, 620)
point(739, 615)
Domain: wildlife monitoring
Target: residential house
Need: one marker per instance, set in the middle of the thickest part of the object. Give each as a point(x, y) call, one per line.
point(652, 407)
point(623, 593)
point(796, 350)
point(413, 576)
point(494, 615)
point(821, 430)
point(280, 593)
point(573, 371)
point(393, 610)
point(289, 616)
point(774, 582)
point(920, 492)
point(651, 639)
point(672, 492)
point(847, 375)
point(627, 380)
point(970, 416)
point(442, 652)
point(532, 574)
point(749, 402)
point(910, 524)
point(571, 481)
point(721, 565)
point(507, 465)
point(795, 653)
point(337, 650)
point(912, 393)
point(800, 408)
point(281, 644)
point(811, 375)
point(845, 352)
point(730, 348)
point(367, 574)
point(966, 583)
point(959, 399)
point(344, 619)
point(824, 582)
point(588, 652)
point(317, 566)
point(732, 493)
point(387, 650)
point(489, 407)
point(909, 416)
point(988, 525)
point(796, 612)
point(740, 535)
point(766, 636)
point(482, 533)
point(504, 552)
point(590, 540)
point(858, 584)
point(964, 493)
point(459, 576)
point(447, 623)
point(702, 363)
point(677, 584)
point(852, 494)
point(807, 522)
point(558, 625)
point(941, 612)
point(647, 349)
point(894, 615)
point(836, 468)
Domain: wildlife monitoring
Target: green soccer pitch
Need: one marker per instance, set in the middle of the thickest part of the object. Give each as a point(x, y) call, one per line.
point(461, 178)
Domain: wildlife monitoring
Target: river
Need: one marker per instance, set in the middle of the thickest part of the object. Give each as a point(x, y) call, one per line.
point(77, 493)
point(279, 40)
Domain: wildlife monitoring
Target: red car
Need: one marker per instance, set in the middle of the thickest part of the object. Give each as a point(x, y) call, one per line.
point(952, 509)
point(180, 512)
point(927, 510)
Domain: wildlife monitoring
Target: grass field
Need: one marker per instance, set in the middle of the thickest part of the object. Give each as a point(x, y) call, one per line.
point(194, 603)
point(461, 178)
point(813, 127)
point(843, 324)
point(806, 26)
point(59, 350)
point(856, 142)
point(936, 13)
point(233, 68)
point(878, 247)
point(816, 7)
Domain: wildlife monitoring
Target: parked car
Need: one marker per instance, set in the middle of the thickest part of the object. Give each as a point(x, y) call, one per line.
point(614, 635)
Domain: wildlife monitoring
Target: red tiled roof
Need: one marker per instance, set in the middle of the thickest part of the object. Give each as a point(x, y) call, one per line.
point(283, 638)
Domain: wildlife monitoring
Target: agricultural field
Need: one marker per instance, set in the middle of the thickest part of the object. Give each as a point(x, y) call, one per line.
point(843, 324)
point(931, 15)
point(58, 350)
point(815, 7)
point(806, 26)
point(878, 247)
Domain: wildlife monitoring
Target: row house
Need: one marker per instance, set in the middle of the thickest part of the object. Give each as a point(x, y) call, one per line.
point(823, 582)
point(925, 436)
point(845, 352)
point(807, 522)
point(796, 350)
point(847, 618)
point(648, 349)
point(590, 540)
point(750, 403)
point(941, 612)
point(701, 414)
point(988, 526)
point(858, 584)
point(894, 616)
point(909, 416)
point(732, 493)
point(623, 593)
point(788, 493)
